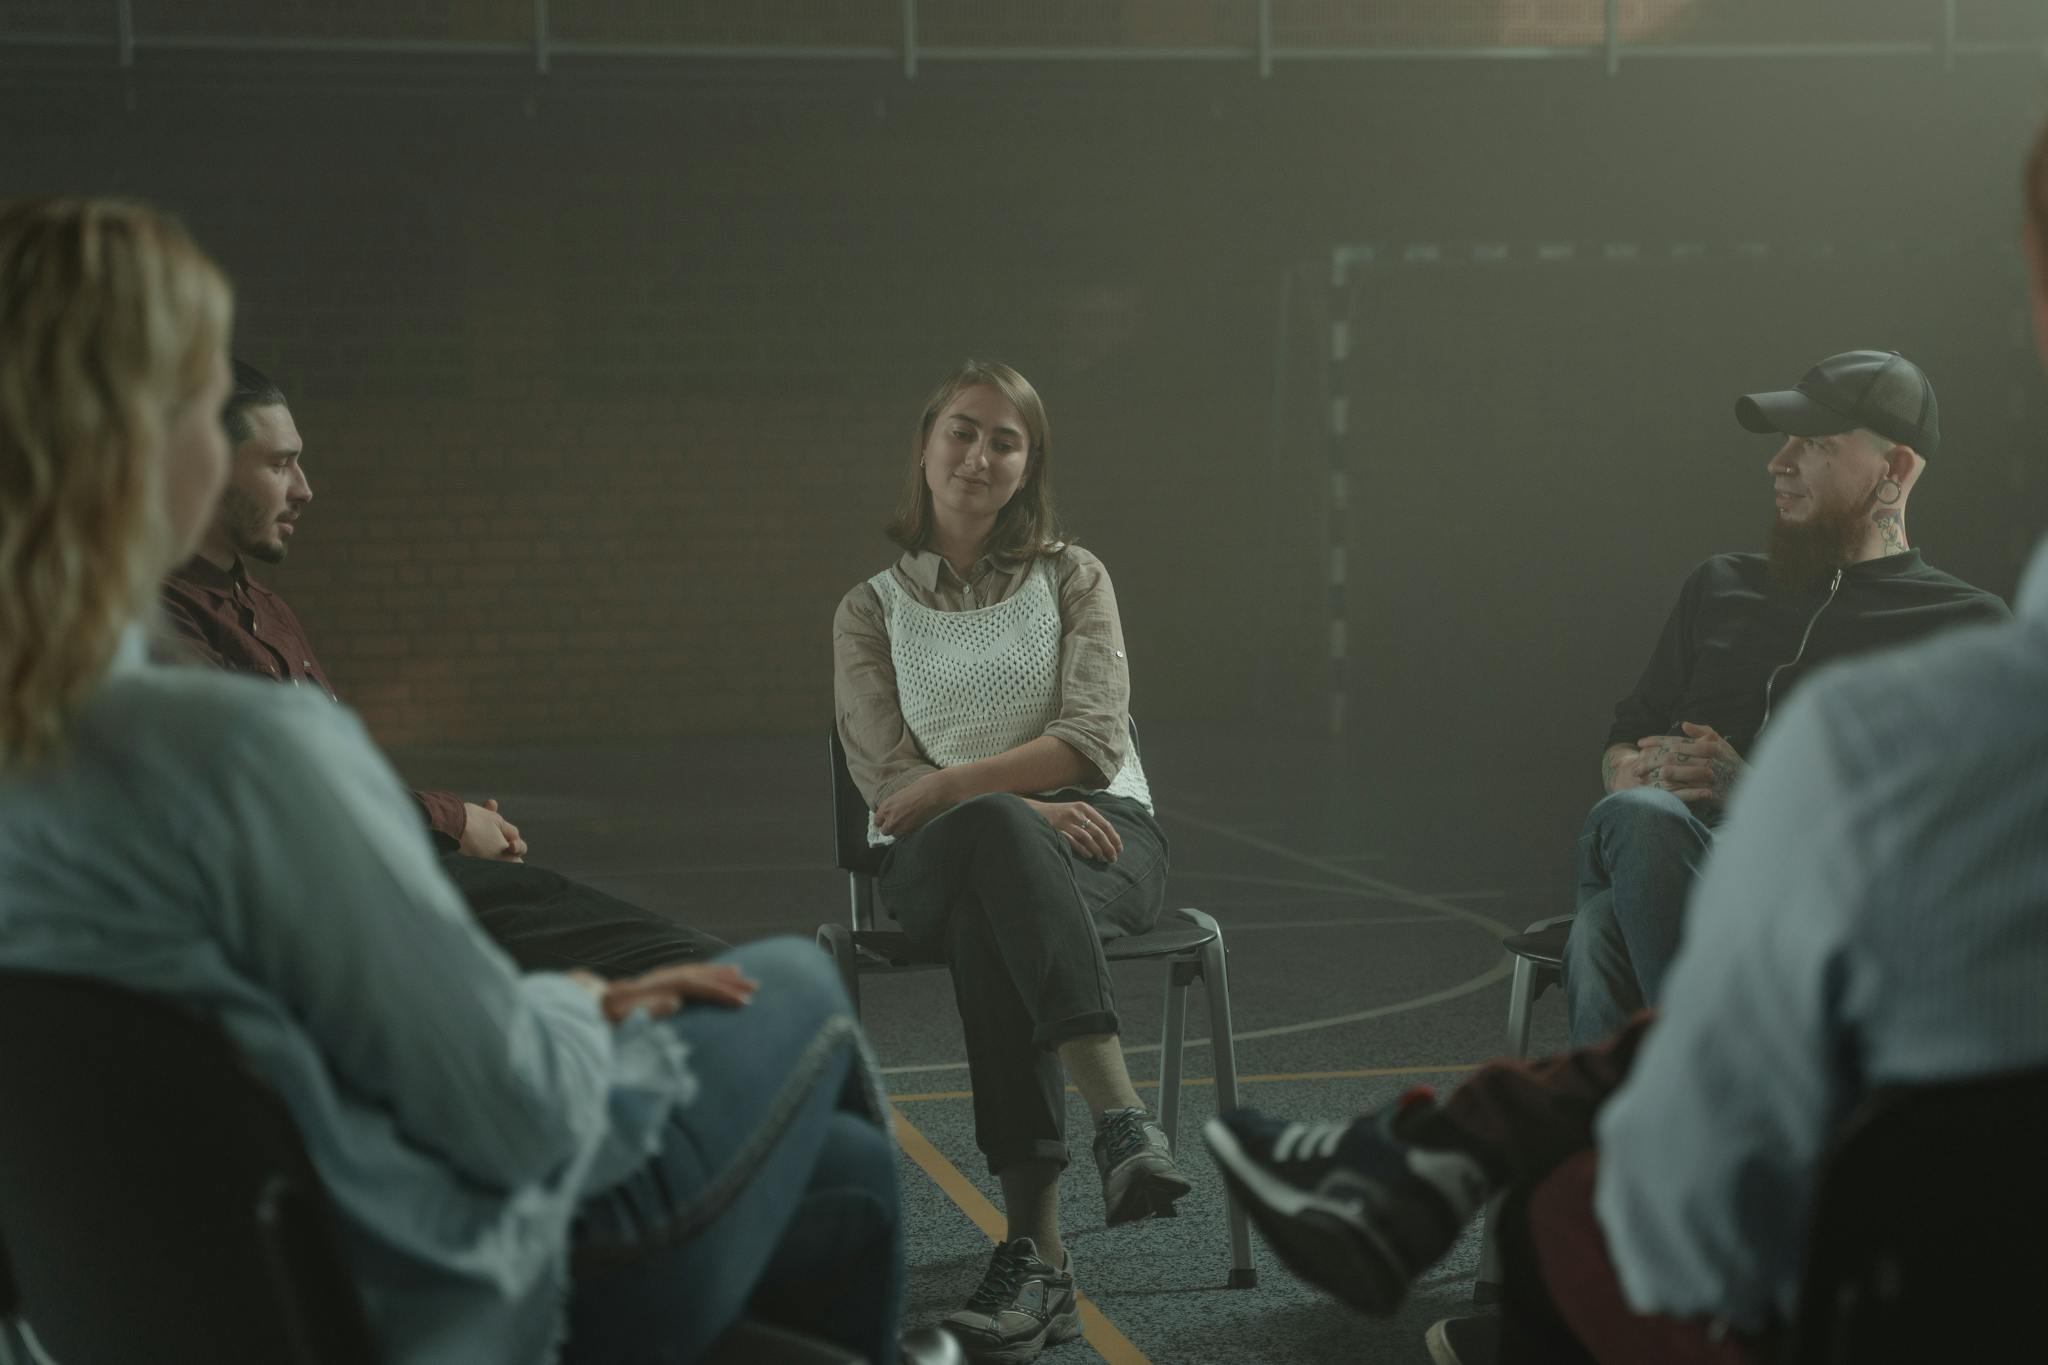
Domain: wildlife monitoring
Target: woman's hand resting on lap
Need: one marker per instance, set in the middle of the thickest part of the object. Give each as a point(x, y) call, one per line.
point(918, 804)
point(1085, 827)
point(664, 990)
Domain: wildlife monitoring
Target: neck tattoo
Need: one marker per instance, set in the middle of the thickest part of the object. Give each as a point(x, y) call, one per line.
point(1892, 527)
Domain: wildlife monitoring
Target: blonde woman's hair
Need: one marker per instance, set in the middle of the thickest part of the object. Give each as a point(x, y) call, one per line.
point(1029, 523)
point(111, 318)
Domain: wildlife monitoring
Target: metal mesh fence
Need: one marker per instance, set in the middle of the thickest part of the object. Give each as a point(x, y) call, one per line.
point(494, 21)
point(59, 18)
point(745, 23)
point(1088, 23)
point(1155, 27)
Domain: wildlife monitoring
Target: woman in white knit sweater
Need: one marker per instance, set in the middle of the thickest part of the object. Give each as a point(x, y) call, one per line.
point(983, 696)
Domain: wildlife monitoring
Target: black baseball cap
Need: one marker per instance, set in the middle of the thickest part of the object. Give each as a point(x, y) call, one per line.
point(1879, 390)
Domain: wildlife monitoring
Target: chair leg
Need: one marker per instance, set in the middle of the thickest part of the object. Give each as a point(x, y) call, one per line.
point(1172, 1040)
point(1486, 1284)
point(1216, 984)
point(837, 941)
point(1521, 1003)
point(1521, 998)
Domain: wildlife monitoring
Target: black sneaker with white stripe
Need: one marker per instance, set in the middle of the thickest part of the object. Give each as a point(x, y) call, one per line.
point(1349, 1207)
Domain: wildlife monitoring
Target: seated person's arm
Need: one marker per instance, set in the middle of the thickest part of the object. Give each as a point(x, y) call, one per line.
point(1621, 768)
point(460, 826)
point(330, 900)
point(446, 818)
point(1709, 1152)
point(1648, 710)
point(881, 754)
point(1045, 764)
point(455, 825)
point(184, 624)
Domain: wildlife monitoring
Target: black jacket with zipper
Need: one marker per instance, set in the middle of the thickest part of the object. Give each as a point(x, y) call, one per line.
point(1733, 629)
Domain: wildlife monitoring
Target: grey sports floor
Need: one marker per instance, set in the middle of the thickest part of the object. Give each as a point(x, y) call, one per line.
point(1363, 959)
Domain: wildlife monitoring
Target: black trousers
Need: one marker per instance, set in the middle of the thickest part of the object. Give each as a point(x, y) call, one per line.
point(551, 924)
point(1022, 918)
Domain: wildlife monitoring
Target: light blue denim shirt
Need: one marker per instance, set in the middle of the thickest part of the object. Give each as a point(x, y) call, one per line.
point(243, 848)
point(1874, 912)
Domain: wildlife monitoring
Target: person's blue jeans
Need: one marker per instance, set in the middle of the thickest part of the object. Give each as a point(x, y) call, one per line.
point(774, 1195)
point(1639, 853)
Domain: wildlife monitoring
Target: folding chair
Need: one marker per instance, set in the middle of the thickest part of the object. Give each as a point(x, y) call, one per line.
point(1926, 1235)
point(1538, 955)
point(1188, 942)
point(157, 1206)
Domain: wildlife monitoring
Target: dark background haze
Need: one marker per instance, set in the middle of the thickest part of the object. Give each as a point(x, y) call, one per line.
point(607, 374)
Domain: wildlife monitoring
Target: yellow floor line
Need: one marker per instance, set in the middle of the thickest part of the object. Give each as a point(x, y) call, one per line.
point(1366, 1073)
point(1099, 1332)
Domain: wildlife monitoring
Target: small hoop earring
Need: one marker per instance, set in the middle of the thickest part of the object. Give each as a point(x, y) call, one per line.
point(1897, 492)
point(920, 462)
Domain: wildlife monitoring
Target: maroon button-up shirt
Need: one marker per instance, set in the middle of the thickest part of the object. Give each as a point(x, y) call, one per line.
point(233, 622)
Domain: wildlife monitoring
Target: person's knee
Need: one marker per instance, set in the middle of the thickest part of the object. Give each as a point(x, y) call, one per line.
point(1637, 815)
point(1000, 826)
point(792, 969)
point(858, 1155)
point(1595, 932)
point(996, 814)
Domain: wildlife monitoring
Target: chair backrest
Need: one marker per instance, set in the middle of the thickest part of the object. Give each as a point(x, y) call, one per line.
point(156, 1203)
point(850, 849)
point(1930, 1226)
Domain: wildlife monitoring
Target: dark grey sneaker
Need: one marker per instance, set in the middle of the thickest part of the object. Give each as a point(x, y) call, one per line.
point(1022, 1306)
point(1353, 1208)
point(1472, 1340)
point(1139, 1179)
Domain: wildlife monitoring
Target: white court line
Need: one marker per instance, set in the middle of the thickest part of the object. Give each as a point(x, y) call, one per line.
point(682, 869)
point(1276, 883)
point(1348, 892)
point(1356, 922)
point(1386, 889)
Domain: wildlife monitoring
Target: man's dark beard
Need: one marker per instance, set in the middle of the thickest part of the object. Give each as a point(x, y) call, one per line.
point(1805, 554)
point(246, 523)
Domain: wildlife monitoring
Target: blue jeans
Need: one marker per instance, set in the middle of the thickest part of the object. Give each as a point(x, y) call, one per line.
point(774, 1195)
point(1639, 853)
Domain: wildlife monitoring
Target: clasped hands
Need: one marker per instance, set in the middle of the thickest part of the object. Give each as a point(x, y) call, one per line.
point(664, 990)
point(1086, 829)
point(1698, 766)
point(487, 834)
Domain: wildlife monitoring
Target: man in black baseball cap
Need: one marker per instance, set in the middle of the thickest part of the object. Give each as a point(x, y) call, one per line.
point(1879, 391)
point(1870, 925)
point(1862, 425)
point(1840, 578)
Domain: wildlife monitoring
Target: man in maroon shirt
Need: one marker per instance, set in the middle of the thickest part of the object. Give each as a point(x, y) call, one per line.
point(544, 920)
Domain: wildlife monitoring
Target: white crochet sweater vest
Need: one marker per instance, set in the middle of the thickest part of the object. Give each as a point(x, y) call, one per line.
point(973, 684)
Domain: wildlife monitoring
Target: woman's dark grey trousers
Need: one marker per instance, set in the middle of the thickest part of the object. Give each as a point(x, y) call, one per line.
point(1022, 918)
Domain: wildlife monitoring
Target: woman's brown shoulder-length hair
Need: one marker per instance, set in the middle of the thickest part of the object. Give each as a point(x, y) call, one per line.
point(1029, 523)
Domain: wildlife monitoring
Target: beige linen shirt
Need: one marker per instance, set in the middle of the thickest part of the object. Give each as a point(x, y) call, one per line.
point(1094, 676)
